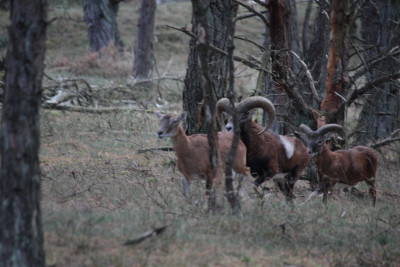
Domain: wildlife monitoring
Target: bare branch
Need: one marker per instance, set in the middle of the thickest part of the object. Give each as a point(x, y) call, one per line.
point(247, 16)
point(388, 140)
point(251, 9)
point(246, 62)
point(74, 108)
point(358, 92)
point(309, 77)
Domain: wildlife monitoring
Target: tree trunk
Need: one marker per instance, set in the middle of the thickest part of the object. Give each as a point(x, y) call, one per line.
point(337, 79)
point(100, 17)
point(214, 180)
point(306, 27)
point(217, 65)
point(284, 36)
point(21, 236)
point(233, 199)
point(280, 62)
point(143, 65)
point(316, 53)
point(381, 110)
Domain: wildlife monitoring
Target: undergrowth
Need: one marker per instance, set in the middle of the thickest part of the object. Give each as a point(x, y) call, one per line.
point(100, 190)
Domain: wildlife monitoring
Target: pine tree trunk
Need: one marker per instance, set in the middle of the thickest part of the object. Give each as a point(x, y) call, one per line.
point(337, 80)
point(284, 36)
point(215, 178)
point(100, 17)
point(21, 236)
point(218, 66)
point(143, 65)
point(316, 54)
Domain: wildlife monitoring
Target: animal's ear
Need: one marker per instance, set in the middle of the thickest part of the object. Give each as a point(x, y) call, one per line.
point(182, 117)
point(225, 116)
point(245, 116)
point(158, 114)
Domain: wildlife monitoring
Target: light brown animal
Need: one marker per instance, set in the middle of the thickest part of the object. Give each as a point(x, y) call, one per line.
point(192, 152)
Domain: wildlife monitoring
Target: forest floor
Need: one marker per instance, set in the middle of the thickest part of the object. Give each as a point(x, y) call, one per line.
point(100, 189)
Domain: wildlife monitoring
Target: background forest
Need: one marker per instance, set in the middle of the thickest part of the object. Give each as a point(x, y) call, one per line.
point(106, 179)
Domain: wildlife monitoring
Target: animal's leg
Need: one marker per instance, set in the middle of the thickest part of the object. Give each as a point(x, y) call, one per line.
point(325, 189)
point(209, 183)
point(241, 191)
point(186, 187)
point(260, 179)
point(372, 190)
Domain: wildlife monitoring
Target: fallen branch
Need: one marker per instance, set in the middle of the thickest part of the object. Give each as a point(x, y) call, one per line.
point(64, 198)
point(163, 148)
point(145, 235)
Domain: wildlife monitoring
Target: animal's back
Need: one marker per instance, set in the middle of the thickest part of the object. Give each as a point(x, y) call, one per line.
point(369, 157)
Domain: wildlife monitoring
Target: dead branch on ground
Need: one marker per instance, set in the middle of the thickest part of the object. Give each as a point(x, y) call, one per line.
point(145, 235)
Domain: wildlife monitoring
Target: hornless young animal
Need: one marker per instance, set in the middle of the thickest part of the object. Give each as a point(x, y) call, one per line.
point(269, 156)
point(192, 152)
point(348, 166)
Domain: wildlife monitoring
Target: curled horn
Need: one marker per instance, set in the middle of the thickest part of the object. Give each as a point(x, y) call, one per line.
point(306, 132)
point(330, 128)
point(258, 102)
point(222, 105)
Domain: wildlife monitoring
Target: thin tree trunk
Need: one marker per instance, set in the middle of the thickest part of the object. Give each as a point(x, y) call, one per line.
point(230, 12)
point(100, 17)
point(215, 178)
point(21, 236)
point(304, 35)
point(143, 65)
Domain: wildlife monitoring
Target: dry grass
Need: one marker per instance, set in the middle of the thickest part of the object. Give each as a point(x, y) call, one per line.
point(99, 192)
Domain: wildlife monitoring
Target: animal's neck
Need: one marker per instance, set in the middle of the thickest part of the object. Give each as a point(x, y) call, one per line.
point(180, 141)
point(247, 130)
point(323, 154)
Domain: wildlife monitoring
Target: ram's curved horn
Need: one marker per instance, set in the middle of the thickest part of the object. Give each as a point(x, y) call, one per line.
point(258, 102)
point(222, 105)
point(330, 128)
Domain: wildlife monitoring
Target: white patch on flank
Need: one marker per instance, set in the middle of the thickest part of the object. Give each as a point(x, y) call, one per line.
point(289, 148)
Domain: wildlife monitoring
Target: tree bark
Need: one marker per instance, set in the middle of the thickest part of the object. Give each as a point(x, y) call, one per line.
point(217, 65)
point(337, 79)
point(21, 236)
point(285, 67)
point(316, 56)
point(214, 179)
point(280, 62)
point(143, 65)
point(100, 17)
point(233, 199)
